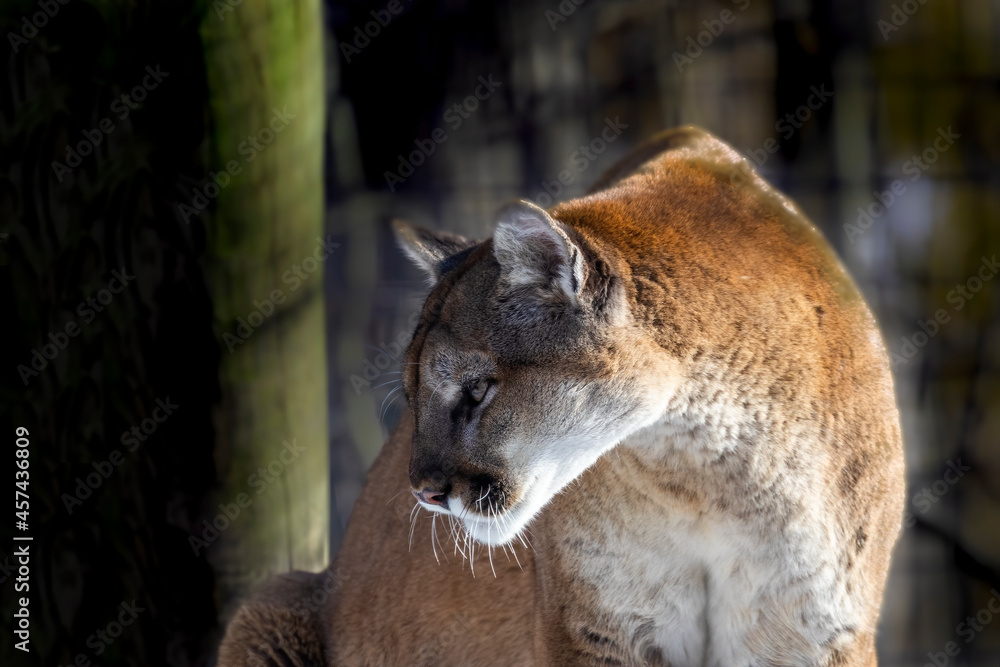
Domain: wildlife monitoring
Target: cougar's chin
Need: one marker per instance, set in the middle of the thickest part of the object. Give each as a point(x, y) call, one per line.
point(506, 527)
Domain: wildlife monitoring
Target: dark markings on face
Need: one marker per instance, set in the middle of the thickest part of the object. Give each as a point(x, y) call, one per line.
point(431, 314)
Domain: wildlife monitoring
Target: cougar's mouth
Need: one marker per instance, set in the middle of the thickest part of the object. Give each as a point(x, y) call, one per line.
point(483, 518)
point(498, 527)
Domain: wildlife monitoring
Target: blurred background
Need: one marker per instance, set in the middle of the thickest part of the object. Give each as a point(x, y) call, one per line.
point(249, 192)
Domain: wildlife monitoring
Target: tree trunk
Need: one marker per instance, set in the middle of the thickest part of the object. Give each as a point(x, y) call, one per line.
point(266, 252)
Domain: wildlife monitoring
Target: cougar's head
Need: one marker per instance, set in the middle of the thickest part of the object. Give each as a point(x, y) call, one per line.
point(526, 366)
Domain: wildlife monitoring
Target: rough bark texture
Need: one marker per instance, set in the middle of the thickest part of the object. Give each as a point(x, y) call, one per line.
point(264, 67)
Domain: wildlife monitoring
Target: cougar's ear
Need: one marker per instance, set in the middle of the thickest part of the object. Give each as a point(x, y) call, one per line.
point(533, 249)
point(430, 250)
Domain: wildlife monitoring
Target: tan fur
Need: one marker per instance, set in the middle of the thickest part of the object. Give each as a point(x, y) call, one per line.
point(276, 627)
point(728, 391)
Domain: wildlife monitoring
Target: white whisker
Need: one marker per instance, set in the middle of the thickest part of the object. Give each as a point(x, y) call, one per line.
point(489, 546)
point(381, 407)
point(392, 381)
point(434, 517)
point(517, 560)
point(413, 515)
point(472, 556)
point(454, 527)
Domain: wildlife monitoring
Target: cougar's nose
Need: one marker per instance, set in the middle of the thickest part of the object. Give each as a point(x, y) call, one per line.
point(432, 496)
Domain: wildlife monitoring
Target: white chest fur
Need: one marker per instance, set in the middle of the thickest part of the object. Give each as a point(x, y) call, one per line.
point(706, 589)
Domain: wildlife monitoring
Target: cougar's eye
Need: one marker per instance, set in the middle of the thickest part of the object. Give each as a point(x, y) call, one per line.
point(478, 391)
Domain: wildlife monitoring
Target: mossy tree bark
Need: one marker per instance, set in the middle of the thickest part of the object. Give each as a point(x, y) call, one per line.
point(266, 252)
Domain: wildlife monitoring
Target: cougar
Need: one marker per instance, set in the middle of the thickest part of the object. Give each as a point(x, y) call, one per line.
point(654, 425)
